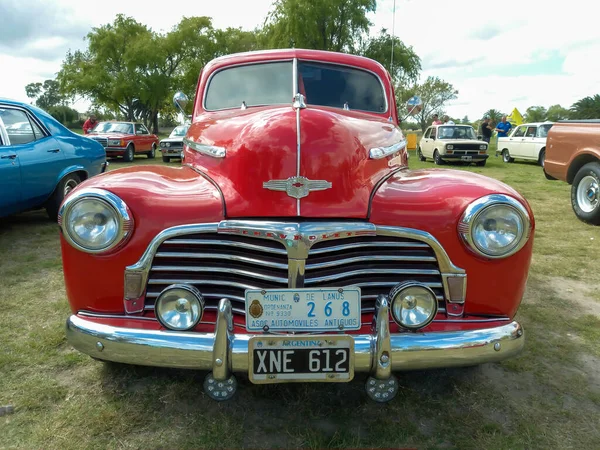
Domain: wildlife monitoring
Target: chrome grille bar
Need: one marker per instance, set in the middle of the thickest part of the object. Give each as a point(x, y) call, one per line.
point(243, 259)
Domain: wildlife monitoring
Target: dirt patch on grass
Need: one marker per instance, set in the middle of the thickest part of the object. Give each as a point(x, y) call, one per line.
point(583, 294)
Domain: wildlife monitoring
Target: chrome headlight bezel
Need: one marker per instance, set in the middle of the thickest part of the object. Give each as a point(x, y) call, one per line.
point(395, 299)
point(449, 147)
point(483, 147)
point(122, 213)
point(474, 211)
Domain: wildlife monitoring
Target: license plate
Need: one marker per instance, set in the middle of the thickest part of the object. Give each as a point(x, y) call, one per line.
point(466, 158)
point(325, 309)
point(287, 359)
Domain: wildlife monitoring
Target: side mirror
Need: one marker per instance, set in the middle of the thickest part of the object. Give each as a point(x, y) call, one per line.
point(180, 100)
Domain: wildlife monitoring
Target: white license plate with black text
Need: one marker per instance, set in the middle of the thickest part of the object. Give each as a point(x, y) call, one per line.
point(327, 309)
point(466, 158)
point(281, 359)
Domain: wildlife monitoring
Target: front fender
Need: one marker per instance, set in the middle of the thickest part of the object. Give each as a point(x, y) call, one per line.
point(158, 197)
point(433, 200)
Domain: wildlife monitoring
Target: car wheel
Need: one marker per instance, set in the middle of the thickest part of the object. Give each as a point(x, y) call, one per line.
point(166, 159)
point(542, 157)
point(129, 153)
point(506, 156)
point(420, 154)
point(481, 163)
point(66, 185)
point(152, 152)
point(585, 193)
point(438, 159)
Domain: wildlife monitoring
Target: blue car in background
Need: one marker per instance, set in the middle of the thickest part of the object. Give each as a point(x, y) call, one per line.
point(41, 161)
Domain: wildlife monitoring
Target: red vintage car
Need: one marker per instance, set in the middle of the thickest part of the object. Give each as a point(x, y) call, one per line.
point(125, 139)
point(294, 244)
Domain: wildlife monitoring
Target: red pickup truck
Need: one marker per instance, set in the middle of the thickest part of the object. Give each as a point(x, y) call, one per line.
point(573, 155)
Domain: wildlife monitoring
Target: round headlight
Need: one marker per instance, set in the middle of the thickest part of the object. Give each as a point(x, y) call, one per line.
point(168, 144)
point(413, 305)
point(94, 220)
point(495, 226)
point(179, 307)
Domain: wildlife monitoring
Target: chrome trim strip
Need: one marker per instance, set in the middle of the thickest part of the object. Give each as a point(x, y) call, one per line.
point(356, 259)
point(226, 243)
point(245, 259)
point(382, 152)
point(298, 104)
point(205, 282)
point(469, 217)
point(337, 248)
point(204, 269)
point(296, 273)
point(352, 273)
point(209, 150)
point(192, 350)
point(392, 284)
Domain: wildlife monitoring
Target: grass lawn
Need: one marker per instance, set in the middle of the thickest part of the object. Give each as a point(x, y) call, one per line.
point(548, 397)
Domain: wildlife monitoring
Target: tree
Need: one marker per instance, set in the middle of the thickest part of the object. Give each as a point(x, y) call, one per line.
point(586, 108)
point(434, 93)
point(494, 115)
point(407, 64)
point(333, 25)
point(556, 113)
point(535, 114)
point(465, 120)
point(46, 95)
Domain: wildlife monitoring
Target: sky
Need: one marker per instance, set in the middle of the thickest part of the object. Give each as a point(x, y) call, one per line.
point(497, 55)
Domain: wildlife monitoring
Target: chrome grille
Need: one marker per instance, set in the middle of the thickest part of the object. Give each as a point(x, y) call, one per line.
point(219, 266)
point(373, 263)
point(222, 265)
point(101, 140)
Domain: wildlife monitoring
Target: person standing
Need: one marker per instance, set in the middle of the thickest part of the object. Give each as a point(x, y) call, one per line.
point(89, 124)
point(486, 129)
point(503, 127)
point(447, 121)
point(436, 120)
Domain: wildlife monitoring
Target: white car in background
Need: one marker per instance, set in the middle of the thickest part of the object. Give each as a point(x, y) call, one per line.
point(527, 141)
point(446, 143)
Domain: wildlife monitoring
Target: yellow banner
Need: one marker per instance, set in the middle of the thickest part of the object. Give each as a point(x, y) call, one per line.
point(515, 117)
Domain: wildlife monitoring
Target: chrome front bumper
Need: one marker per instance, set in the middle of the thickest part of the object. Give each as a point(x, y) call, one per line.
point(225, 352)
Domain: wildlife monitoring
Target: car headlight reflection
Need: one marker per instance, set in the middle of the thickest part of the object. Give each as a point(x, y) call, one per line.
point(495, 226)
point(95, 221)
point(179, 307)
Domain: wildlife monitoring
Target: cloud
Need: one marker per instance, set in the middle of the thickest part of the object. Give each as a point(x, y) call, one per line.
point(451, 63)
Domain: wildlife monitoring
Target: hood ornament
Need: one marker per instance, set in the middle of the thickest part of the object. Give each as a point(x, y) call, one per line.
point(297, 187)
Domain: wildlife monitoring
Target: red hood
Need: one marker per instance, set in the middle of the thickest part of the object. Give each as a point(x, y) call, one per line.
point(111, 135)
point(261, 145)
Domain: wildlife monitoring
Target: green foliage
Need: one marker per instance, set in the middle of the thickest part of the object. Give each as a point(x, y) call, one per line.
point(586, 108)
point(334, 25)
point(46, 95)
point(536, 114)
point(494, 115)
point(407, 64)
point(434, 93)
point(556, 113)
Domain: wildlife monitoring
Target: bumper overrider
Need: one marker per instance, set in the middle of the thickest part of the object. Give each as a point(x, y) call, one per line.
point(224, 352)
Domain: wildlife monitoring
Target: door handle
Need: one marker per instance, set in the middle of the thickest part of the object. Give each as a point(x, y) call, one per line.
point(55, 150)
point(8, 156)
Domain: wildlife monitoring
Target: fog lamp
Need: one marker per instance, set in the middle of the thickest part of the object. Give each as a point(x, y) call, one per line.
point(414, 305)
point(179, 307)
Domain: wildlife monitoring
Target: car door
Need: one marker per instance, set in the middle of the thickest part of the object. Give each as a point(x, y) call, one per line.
point(40, 157)
point(514, 141)
point(143, 136)
point(424, 142)
point(529, 143)
point(10, 175)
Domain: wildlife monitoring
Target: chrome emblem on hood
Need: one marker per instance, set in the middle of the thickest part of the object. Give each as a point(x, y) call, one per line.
point(297, 187)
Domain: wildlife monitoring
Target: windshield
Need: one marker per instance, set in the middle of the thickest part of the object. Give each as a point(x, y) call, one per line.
point(113, 127)
point(179, 131)
point(456, 132)
point(271, 83)
point(543, 130)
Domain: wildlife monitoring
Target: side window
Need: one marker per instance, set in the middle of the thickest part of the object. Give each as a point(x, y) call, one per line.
point(531, 132)
point(427, 133)
point(433, 130)
point(19, 128)
point(140, 129)
point(520, 131)
point(543, 131)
